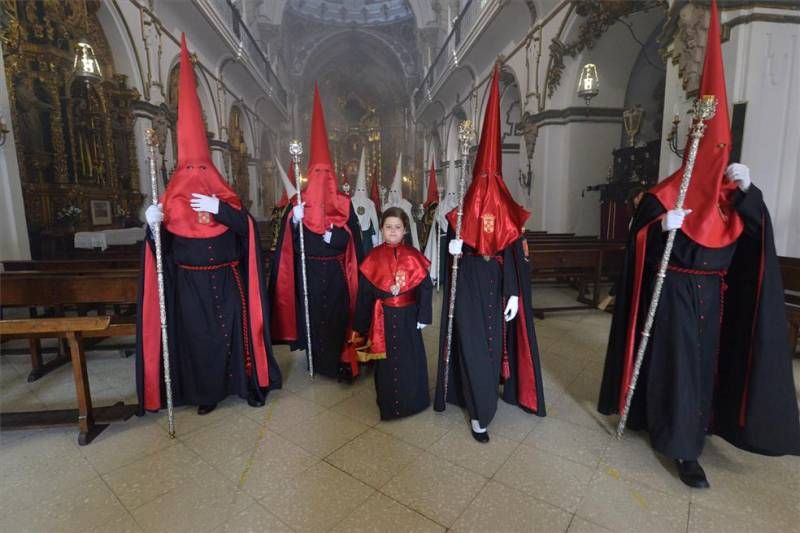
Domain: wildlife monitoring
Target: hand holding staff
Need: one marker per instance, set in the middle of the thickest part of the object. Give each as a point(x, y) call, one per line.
point(296, 150)
point(704, 110)
point(152, 142)
point(464, 136)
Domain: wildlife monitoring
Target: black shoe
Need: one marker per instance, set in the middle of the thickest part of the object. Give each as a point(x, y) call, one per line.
point(205, 409)
point(252, 401)
point(482, 437)
point(692, 474)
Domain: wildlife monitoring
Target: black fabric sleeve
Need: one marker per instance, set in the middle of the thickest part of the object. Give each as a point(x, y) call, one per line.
point(749, 205)
point(339, 238)
point(425, 301)
point(365, 302)
point(236, 219)
point(510, 284)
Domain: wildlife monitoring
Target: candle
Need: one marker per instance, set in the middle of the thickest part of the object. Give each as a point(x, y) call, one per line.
point(676, 110)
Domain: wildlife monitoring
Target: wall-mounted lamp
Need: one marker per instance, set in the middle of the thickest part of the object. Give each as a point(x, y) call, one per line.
point(4, 131)
point(589, 82)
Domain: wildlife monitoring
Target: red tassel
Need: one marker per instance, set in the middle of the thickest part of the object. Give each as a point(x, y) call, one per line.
point(506, 373)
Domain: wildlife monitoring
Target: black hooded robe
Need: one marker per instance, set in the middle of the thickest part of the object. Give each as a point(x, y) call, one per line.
point(328, 296)
point(205, 316)
point(483, 288)
point(718, 359)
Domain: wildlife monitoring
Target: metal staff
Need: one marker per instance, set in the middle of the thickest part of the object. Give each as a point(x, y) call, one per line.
point(152, 142)
point(296, 150)
point(704, 110)
point(464, 136)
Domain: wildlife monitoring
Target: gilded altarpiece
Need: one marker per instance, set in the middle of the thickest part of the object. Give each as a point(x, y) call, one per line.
point(74, 138)
point(240, 158)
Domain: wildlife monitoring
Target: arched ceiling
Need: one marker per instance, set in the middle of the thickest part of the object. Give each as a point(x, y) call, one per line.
point(353, 12)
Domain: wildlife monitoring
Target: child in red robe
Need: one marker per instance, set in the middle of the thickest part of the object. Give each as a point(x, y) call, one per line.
point(394, 305)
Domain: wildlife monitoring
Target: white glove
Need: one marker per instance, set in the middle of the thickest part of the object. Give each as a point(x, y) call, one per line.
point(298, 212)
point(327, 235)
point(512, 308)
point(674, 219)
point(201, 202)
point(421, 326)
point(374, 240)
point(154, 215)
point(740, 174)
point(455, 246)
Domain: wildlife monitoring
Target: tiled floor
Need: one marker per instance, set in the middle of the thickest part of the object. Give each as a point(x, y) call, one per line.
point(317, 457)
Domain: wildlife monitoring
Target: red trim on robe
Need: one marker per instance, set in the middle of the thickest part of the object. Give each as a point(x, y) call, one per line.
point(255, 308)
point(743, 407)
point(630, 340)
point(349, 355)
point(283, 320)
point(151, 333)
point(526, 374)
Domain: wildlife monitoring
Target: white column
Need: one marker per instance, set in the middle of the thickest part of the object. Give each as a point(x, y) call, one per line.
point(762, 68)
point(14, 242)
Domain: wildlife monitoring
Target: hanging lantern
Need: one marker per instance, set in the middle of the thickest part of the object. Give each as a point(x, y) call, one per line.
point(589, 82)
point(86, 64)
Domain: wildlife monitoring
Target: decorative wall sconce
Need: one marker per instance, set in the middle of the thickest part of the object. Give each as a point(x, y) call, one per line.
point(672, 137)
point(4, 131)
point(526, 178)
point(85, 64)
point(588, 83)
point(632, 119)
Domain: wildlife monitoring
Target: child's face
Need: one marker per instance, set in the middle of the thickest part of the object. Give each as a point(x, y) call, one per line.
point(393, 230)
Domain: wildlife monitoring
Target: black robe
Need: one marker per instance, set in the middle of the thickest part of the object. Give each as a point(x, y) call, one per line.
point(205, 316)
point(401, 380)
point(328, 296)
point(718, 359)
point(366, 238)
point(479, 330)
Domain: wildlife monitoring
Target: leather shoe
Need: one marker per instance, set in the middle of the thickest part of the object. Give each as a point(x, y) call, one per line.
point(205, 409)
point(482, 437)
point(692, 474)
point(252, 401)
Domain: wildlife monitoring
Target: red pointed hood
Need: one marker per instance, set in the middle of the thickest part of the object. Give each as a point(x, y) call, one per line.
point(325, 205)
point(492, 219)
point(714, 222)
point(195, 171)
point(374, 192)
point(433, 188)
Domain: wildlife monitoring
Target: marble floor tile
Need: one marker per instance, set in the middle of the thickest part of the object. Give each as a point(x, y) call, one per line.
point(545, 476)
point(501, 508)
point(458, 446)
point(379, 514)
point(316, 499)
point(436, 488)
point(374, 457)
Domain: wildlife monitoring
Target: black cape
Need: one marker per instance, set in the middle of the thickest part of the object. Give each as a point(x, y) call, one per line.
point(328, 296)
point(204, 316)
point(718, 360)
point(478, 330)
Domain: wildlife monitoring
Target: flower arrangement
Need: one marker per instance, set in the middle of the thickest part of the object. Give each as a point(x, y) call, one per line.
point(69, 214)
point(122, 212)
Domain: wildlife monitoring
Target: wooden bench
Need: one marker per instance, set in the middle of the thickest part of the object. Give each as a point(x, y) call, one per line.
point(91, 421)
point(59, 288)
point(790, 273)
point(583, 262)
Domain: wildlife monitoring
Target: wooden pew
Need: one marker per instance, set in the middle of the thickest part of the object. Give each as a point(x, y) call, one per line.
point(582, 261)
point(91, 421)
point(72, 265)
point(41, 288)
point(790, 273)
